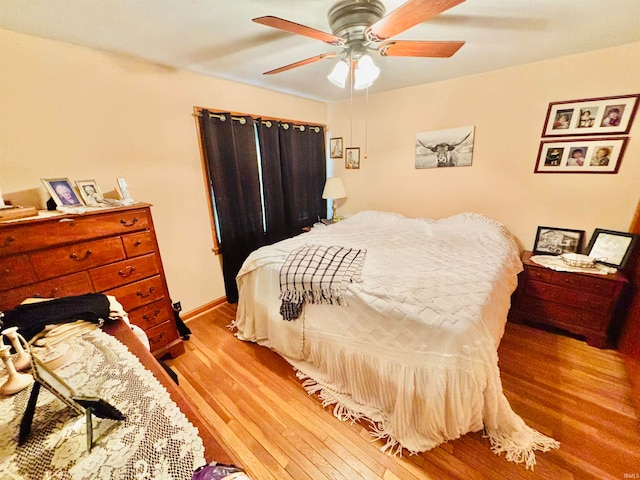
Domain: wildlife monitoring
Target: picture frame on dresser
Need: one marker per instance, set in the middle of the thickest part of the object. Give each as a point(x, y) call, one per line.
point(62, 192)
point(610, 247)
point(591, 116)
point(90, 192)
point(556, 241)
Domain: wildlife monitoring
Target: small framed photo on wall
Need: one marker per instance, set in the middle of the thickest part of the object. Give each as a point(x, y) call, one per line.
point(591, 116)
point(589, 155)
point(335, 147)
point(352, 158)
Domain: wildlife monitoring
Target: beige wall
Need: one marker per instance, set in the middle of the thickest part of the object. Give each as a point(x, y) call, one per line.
point(508, 110)
point(67, 111)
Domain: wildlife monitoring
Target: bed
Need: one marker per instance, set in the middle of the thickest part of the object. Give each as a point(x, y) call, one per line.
point(412, 345)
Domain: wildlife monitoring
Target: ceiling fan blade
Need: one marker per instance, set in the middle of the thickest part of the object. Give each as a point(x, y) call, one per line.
point(407, 15)
point(306, 61)
point(291, 27)
point(409, 48)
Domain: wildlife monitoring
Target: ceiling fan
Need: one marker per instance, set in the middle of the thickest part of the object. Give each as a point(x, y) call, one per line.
point(360, 26)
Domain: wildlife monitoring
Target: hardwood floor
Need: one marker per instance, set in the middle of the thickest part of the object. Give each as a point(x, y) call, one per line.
point(577, 394)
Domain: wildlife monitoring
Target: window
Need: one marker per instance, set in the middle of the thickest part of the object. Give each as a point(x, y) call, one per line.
point(265, 179)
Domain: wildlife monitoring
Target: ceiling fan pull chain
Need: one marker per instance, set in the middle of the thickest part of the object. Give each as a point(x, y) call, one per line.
point(366, 121)
point(351, 99)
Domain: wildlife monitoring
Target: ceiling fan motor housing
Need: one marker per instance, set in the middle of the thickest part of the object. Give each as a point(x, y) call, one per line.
point(349, 19)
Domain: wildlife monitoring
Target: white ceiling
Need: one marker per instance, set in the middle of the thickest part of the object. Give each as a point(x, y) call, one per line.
point(218, 38)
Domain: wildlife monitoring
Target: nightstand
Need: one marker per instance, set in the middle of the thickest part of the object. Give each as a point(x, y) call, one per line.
point(580, 303)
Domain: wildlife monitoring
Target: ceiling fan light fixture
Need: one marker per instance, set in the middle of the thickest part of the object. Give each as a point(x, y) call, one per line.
point(366, 73)
point(339, 74)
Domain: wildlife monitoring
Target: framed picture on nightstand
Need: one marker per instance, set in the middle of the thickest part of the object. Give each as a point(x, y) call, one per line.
point(610, 247)
point(556, 241)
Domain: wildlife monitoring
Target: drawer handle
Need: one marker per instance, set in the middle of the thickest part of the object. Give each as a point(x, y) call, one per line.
point(75, 257)
point(137, 243)
point(52, 293)
point(130, 224)
point(127, 272)
point(153, 317)
point(157, 339)
point(9, 240)
point(145, 295)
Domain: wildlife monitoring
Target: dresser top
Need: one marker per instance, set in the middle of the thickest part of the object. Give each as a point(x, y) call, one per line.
point(45, 215)
point(617, 276)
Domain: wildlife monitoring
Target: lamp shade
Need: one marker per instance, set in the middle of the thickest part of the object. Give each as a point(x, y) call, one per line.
point(338, 75)
point(334, 188)
point(366, 73)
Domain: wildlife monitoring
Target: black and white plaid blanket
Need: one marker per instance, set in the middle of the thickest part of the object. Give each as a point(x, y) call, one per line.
point(317, 274)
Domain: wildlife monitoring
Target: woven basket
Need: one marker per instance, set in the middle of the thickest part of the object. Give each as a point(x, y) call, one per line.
point(578, 260)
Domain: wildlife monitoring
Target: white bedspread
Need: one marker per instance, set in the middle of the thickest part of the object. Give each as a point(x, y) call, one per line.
point(415, 349)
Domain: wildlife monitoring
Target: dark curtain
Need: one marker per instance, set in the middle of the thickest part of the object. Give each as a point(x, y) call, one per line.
point(272, 184)
point(303, 167)
point(230, 151)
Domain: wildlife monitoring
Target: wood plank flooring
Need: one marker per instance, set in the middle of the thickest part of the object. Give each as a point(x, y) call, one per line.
point(575, 393)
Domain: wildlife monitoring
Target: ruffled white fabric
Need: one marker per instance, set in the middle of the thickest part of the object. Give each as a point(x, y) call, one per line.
point(415, 352)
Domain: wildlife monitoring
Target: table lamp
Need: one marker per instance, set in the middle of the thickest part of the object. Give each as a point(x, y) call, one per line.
point(334, 189)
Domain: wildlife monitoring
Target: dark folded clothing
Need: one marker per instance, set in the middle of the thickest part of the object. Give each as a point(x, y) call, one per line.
point(31, 318)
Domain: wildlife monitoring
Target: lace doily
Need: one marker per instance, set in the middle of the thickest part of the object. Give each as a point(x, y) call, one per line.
point(556, 263)
point(155, 441)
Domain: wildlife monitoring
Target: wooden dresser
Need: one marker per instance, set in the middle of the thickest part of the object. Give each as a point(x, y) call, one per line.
point(111, 251)
point(580, 303)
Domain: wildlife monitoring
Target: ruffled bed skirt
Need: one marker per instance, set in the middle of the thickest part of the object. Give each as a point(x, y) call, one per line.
point(419, 408)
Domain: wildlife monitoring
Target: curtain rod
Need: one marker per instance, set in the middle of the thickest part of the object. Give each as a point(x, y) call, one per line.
point(263, 118)
point(268, 123)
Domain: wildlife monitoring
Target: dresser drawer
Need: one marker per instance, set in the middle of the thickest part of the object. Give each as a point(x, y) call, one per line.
point(16, 271)
point(561, 316)
point(553, 293)
point(599, 286)
point(138, 244)
point(74, 284)
point(74, 258)
point(151, 315)
point(126, 271)
point(539, 273)
point(162, 335)
point(22, 238)
point(139, 293)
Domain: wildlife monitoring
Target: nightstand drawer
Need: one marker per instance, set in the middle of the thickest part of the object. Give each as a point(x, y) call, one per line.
point(15, 272)
point(539, 273)
point(126, 271)
point(597, 285)
point(74, 258)
point(553, 293)
point(561, 315)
